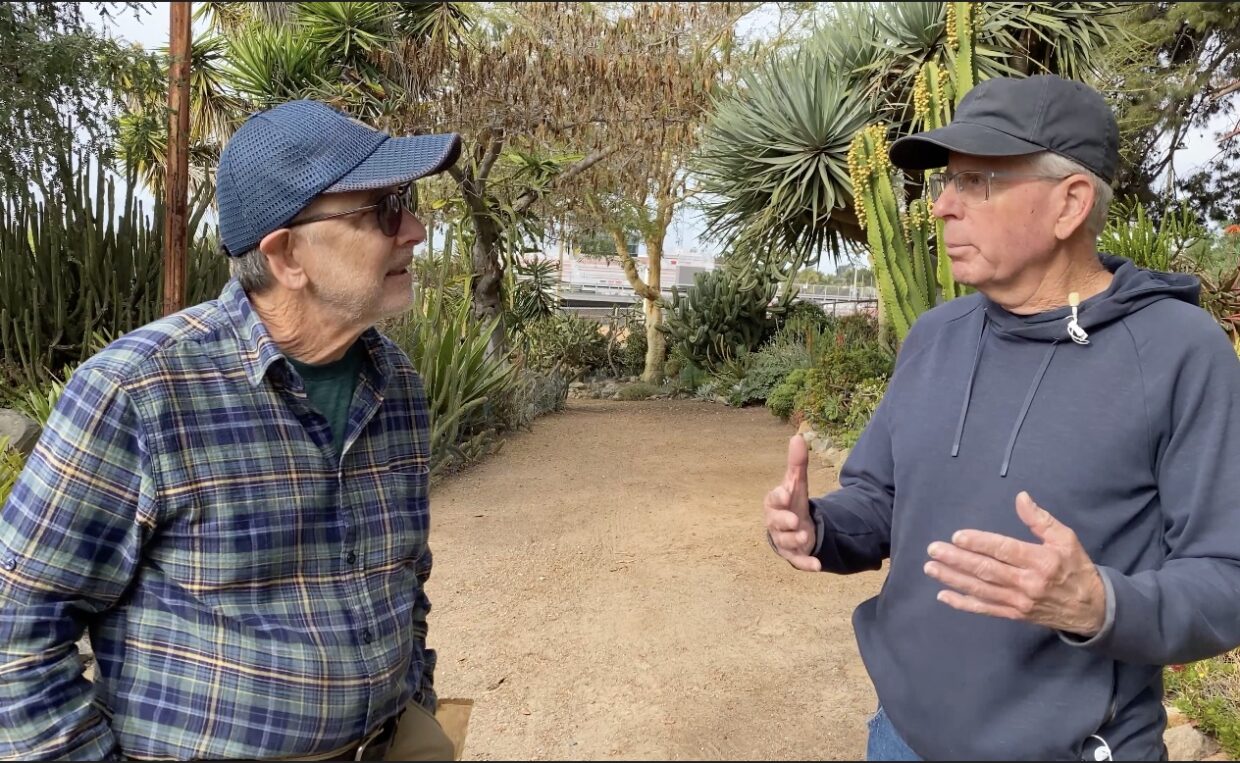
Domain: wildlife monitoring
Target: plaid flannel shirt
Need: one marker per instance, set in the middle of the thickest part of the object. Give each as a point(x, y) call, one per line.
point(248, 593)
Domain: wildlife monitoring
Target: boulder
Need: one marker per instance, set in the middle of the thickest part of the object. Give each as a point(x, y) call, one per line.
point(22, 432)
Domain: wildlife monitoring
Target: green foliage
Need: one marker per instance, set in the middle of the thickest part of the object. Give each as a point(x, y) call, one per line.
point(532, 292)
point(1131, 233)
point(448, 347)
point(1208, 693)
point(1173, 78)
point(76, 259)
point(638, 391)
point(60, 85)
point(566, 343)
point(534, 394)
point(768, 368)
point(633, 351)
point(782, 400)
point(843, 377)
point(774, 157)
point(11, 463)
point(727, 312)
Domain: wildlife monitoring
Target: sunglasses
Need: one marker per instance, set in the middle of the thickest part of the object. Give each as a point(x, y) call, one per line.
point(389, 210)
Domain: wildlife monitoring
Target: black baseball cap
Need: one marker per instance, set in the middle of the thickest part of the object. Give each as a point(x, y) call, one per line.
point(1005, 116)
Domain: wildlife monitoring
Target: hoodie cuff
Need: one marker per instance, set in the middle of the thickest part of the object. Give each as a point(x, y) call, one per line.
point(1108, 624)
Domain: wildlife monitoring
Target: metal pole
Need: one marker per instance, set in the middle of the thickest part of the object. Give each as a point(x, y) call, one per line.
point(176, 182)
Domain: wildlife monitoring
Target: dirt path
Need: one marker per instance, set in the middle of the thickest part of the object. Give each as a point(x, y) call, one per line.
point(603, 589)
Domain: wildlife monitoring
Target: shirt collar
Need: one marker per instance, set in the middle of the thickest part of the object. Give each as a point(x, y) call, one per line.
point(259, 351)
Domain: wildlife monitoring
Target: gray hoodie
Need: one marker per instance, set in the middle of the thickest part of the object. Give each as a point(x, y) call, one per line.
point(1128, 440)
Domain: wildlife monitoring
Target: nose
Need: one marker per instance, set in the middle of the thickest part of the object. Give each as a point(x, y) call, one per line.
point(947, 204)
point(412, 232)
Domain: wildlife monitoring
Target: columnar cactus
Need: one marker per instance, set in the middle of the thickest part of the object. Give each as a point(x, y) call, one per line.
point(901, 261)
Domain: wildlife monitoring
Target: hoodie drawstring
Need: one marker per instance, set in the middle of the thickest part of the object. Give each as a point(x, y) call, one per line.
point(1033, 390)
point(1024, 411)
point(968, 390)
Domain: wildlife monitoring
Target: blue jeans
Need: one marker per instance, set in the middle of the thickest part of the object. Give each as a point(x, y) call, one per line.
point(884, 743)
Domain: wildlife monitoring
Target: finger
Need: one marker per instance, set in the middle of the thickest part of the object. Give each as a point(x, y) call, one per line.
point(806, 563)
point(796, 477)
point(782, 520)
point(776, 500)
point(979, 589)
point(793, 542)
point(978, 565)
point(1044, 526)
point(977, 606)
point(1011, 551)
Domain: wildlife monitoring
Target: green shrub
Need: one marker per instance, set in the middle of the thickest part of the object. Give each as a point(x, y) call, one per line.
point(728, 311)
point(448, 347)
point(534, 394)
point(1208, 693)
point(633, 351)
point(770, 366)
point(11, 463)
point(566, 343)
point(782, 400)
point(827, 399)
point(638, 391)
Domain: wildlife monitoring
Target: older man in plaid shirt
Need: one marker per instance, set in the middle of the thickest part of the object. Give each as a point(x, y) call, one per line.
point(233, 500)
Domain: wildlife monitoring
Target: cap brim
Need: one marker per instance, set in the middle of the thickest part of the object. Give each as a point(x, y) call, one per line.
point(927, 150)
point(401, 160)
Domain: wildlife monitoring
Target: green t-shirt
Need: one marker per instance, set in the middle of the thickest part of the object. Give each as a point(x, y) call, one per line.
point(330, 388)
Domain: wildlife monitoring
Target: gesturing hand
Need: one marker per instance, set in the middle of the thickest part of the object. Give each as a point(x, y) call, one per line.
point(1052, 583)
point(786, 511)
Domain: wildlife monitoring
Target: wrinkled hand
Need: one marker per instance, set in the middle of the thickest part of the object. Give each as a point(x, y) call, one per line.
point(1052, 583)
point(786, 511)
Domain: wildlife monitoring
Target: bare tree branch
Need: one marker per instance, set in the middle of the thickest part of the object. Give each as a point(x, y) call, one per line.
point(493, 151)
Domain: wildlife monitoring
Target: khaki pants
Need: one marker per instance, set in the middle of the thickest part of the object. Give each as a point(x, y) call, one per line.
point(419, 737)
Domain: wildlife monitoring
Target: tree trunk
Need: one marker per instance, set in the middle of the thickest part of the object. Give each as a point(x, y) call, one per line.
point(486, 281)
point(656, 342)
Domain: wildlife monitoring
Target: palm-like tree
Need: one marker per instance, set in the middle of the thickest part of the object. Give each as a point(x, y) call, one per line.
point(774, 165)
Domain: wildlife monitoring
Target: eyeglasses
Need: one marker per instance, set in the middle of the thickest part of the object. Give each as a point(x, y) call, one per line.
point(973, 186)
point(389, 210)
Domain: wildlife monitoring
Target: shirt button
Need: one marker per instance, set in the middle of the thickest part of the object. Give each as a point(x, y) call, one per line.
point(367, 636)
point(350, 558)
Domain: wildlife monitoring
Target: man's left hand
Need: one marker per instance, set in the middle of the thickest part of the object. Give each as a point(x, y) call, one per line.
point(1052, 583)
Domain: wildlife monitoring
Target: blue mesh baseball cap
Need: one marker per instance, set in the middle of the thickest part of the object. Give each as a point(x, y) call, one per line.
point(281, 159)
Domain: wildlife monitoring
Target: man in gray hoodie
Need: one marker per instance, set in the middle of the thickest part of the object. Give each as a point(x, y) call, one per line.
point(1049, 471)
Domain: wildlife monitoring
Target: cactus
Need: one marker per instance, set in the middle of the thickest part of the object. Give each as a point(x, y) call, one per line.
point(905, 286)
point(77, 260)
point(728, 311)
point(962, 46)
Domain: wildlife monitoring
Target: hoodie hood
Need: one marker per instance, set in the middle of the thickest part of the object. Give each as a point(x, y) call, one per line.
point(1131, 289)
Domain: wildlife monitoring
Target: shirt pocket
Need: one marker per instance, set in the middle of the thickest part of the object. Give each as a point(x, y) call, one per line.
point(401, 522)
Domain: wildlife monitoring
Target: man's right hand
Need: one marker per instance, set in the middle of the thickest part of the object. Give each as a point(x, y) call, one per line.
point(786, 511)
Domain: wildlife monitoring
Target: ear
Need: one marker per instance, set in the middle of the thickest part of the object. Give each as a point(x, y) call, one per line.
point(278, 247)
point(1077, 201)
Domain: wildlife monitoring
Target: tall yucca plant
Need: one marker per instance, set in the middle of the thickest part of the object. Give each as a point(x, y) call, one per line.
point(777, 156)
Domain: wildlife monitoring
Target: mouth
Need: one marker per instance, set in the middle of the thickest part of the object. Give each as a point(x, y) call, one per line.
point(402, 270)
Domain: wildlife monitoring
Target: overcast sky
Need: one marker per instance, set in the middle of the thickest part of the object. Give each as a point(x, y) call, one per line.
point(151, 32)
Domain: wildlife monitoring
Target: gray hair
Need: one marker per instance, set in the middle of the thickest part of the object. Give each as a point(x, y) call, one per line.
point(251, 271)
point(1049, 163)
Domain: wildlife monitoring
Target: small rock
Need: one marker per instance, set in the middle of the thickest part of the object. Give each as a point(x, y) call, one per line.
point(577, 385)
point(1175, 717)
point(805, 427)
point(20, 430)
point(1187, 743)
point(616, 396)
point(721, 399)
